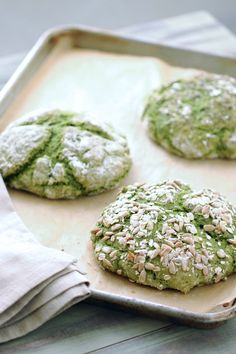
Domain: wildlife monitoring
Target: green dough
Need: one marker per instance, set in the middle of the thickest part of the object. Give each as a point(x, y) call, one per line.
point(62, 155)
point(195, 118)
point(167, 236)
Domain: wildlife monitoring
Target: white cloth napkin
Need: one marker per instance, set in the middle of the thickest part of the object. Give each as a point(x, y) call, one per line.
point(36, 282)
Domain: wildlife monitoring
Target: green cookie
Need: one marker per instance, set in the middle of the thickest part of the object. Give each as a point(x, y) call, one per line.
point(167, 236)
point(195, 118)
point(62, 155)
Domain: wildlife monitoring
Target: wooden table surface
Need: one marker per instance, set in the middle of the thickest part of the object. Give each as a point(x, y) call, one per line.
point(87, 328)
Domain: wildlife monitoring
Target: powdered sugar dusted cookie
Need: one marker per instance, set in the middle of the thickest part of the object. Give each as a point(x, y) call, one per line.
point(167, 236)
point(195, 118)
point(62, 155)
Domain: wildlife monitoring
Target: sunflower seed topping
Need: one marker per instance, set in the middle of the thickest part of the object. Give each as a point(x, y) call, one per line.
point(142, 276)
point(143, 232)
point(232, 241)
point(221, 253)
point(116, 227)
point(209, 228)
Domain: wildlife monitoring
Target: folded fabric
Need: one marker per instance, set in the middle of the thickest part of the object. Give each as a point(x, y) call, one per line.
point(37, 282)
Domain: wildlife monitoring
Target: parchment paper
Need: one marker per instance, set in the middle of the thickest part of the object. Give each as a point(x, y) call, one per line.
point(113, 88)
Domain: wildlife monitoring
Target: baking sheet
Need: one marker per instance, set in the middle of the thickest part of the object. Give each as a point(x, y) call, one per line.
point(113, 88)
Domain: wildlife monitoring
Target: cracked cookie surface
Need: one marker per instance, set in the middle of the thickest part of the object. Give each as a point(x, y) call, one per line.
point(60, 154)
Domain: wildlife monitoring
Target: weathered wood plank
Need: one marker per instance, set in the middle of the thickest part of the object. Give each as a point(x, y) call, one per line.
point(179, 339)
point(81, 329)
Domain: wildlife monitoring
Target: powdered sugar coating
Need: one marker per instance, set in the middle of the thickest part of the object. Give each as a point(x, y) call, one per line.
point(44, 173)
point(17, 144)
point(93, 159)
point(62, 155)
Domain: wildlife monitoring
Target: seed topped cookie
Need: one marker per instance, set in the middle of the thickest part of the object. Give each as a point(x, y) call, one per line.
point(167, 236)
point(60, 154)
point(195, 118)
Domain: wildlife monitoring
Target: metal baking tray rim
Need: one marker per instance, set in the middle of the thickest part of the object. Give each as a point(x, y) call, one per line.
point(58, 31)
point(210, 319)
point(201, 319)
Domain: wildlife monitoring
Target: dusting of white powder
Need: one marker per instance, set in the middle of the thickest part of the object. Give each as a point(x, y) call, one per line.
point(96, 156)
point(44, 173)
point(94, 159)
point(16, 147)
